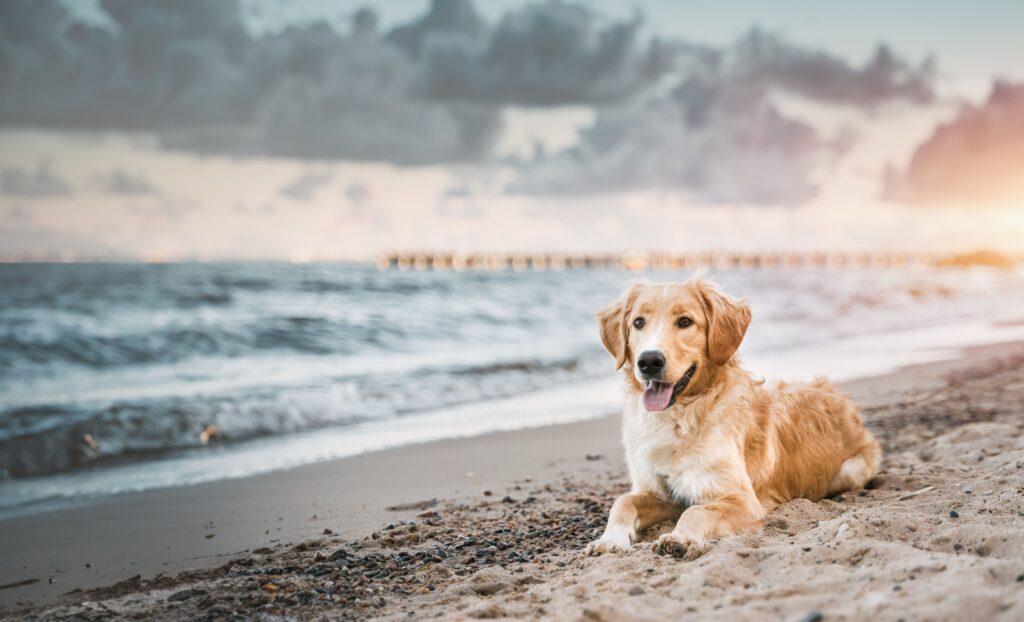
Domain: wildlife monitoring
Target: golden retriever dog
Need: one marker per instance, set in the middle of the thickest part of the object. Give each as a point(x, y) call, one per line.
point(707, 444)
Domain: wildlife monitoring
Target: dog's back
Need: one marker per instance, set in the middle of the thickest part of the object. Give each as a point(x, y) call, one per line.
point(821, 447)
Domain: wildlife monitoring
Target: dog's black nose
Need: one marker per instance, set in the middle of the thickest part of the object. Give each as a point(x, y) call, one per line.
point(651, 363)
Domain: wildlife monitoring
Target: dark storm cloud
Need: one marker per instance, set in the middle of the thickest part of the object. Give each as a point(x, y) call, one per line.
point(190, 71)
point(766, 61)
point(671, 114)
point(125, 183)
point(977, 158)
point(305, 186)
point(40, 181)
point(541, 55)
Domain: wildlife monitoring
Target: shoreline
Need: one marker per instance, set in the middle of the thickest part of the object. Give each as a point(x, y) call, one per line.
point(170, 530)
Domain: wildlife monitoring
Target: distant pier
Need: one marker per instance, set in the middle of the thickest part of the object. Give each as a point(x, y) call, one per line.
point(640, 261)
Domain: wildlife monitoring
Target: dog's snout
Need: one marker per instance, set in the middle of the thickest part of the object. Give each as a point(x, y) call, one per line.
point(651, 363)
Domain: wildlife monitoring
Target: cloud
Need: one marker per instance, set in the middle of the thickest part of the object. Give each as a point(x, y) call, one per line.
point(305, 186)
point(540, 55)
point(164, 208)
point(757, 156)
point(716, 132)
point(765, 61)
point(39, 182)
point(192, 73)
point(975, 159)
point(357, 194)
point(670, 114)
point(16, 215)
point(125, 183)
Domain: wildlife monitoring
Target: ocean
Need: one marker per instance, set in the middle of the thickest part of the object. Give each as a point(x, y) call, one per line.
point(125, 377)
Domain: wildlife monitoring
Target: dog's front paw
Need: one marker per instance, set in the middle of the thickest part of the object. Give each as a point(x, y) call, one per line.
point(609, 543)
point(679, 546)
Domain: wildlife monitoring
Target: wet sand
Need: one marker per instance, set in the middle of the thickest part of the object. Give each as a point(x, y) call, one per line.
point(941, 536)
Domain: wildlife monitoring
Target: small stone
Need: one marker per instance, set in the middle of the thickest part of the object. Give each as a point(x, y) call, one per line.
point(954, 514)
point(488, 493)
point(813, 616)
point(185, 594)
point(594, 457)
point(636, 590)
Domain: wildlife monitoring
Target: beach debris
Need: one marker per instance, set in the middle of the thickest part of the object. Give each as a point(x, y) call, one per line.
point(488, 493)
point(593, 457)
point(416, 505)
point(270, 588)
point(910, 495)
point(21, 583)
point(327, 532)
point(209, 536)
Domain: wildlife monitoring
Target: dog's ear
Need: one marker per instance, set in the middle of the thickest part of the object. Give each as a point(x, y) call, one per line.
point(612, 321)
point(728, 320)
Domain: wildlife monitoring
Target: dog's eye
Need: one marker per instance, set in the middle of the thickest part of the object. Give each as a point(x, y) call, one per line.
point(684, 322)
point(639, 323)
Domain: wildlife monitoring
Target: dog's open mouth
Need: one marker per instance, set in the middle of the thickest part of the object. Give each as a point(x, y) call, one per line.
point(661, 395)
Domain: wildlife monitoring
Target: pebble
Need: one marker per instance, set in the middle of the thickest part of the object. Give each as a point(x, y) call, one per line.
point(636, 590)
point(813, 616)
point(954, 514)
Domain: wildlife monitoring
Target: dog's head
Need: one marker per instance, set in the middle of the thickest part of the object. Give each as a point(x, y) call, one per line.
point(666, 334)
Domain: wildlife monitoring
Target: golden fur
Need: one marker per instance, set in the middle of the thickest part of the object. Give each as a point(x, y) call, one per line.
point(729, 449)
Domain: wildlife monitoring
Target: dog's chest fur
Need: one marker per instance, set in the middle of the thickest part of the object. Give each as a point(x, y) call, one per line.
point(666, 457)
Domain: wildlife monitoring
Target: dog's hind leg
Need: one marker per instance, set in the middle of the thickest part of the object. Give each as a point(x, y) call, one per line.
point(856, 470)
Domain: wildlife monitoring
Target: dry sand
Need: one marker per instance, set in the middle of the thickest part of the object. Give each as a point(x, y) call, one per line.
point(940, 535)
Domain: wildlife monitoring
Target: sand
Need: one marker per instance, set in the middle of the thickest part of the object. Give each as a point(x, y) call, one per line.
point(939, 536)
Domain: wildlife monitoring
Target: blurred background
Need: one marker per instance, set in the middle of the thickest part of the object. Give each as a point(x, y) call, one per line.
point(240, 235)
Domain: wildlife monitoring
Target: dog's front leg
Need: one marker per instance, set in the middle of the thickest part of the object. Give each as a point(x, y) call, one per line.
point(630, 514)
point(724, 516)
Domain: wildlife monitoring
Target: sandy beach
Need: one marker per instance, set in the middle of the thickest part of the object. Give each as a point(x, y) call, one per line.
point(493, 526)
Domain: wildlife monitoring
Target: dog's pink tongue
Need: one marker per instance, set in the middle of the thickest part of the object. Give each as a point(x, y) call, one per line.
point(657, 396)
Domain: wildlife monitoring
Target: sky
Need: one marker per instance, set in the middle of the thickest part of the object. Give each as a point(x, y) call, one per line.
point(250, 129)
